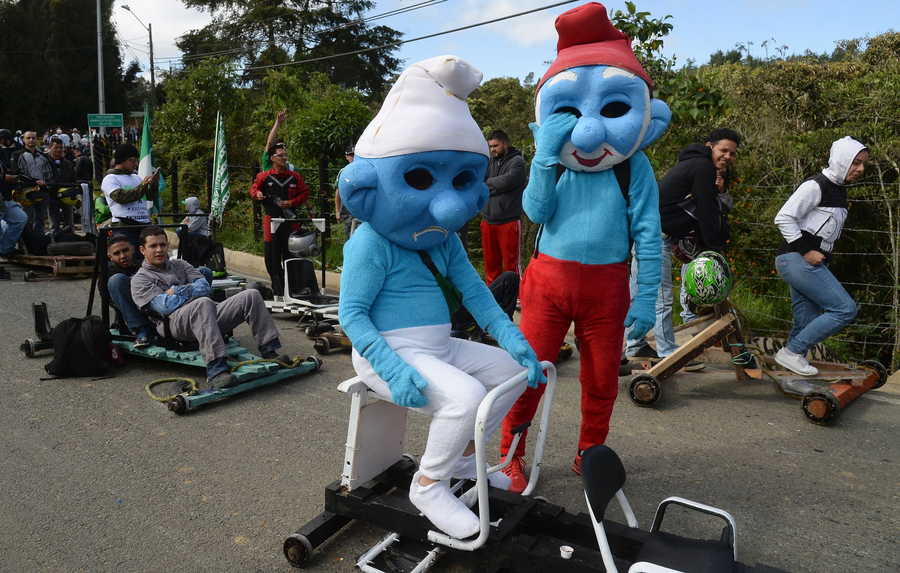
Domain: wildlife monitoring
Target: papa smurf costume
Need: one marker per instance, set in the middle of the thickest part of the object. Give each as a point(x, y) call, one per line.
point(417, 178)
point(594, 110)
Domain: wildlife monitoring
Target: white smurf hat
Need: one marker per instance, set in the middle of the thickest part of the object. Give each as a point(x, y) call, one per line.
point(426, 111)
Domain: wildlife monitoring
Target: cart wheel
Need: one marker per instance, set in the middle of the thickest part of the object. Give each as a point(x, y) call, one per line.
point(315, 360)
point(644, 390)
point(297, 550)
point(412, 458)
point(178, 405)
point(27, 348)
point(28, 276)
point(821, 407)
point(322, 345)
point(879, 369)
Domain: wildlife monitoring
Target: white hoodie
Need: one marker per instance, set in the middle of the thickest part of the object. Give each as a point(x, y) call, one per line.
point(802, 212)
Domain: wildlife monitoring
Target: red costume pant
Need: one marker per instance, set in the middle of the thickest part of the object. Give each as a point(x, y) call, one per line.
point(555, 293)
point(502, 246)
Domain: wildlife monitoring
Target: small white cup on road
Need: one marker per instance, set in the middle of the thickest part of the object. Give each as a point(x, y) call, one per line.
point(565, 551)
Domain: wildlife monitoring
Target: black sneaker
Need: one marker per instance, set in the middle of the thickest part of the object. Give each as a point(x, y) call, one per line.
point(273, 355)
point(643, 354)
point(224, 379)
point(4, 274)
point(694, 366)
point(144, 337)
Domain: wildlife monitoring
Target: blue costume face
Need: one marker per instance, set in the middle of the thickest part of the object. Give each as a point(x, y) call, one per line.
point(416, 200)
point(616, 115)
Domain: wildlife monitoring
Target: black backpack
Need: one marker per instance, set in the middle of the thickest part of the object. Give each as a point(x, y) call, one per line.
point(207, 253)
point(81, 347)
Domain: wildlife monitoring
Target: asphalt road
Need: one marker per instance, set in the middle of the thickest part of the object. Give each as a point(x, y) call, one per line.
point(96, 476)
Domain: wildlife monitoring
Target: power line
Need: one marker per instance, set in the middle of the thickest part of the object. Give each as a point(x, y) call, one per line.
point(401, 42)
point(350, 24)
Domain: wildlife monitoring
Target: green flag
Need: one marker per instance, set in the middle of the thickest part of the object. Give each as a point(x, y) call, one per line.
point(147, 165)
point(221, 191)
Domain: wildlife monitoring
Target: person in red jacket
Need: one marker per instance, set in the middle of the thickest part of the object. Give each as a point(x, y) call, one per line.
point(281, 191)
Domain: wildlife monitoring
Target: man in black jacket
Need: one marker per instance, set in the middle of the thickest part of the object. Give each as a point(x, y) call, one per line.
point(501, 217)
point(63, 173)
point(693, 198)
point(689, 193)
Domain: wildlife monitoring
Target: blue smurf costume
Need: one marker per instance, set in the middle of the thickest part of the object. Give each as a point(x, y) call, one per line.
point(594, 193)
point(417, 178)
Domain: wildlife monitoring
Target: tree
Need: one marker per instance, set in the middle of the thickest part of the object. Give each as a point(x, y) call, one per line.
point(48, 62)
point(263, 33)
point(504, 103)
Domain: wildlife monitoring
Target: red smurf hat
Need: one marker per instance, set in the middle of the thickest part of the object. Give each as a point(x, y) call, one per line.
point(588, 38)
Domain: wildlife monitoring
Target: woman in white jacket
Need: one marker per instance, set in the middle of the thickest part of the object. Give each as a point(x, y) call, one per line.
point(810, 222)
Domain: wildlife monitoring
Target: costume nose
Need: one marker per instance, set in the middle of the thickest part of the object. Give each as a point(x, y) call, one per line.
point(588, 134)
point(449, 211)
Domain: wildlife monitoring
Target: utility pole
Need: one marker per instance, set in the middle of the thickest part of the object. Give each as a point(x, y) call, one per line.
point(102, 98)
point(149, 29)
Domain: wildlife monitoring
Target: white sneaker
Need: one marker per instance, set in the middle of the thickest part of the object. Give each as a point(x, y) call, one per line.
point(443, 509)
point(795, 363)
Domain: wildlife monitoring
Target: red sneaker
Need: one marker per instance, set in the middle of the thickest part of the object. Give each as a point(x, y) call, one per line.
point(576, 465)
point(516, 472)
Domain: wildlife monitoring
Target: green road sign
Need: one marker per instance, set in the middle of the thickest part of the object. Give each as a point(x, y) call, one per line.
point(105, 120)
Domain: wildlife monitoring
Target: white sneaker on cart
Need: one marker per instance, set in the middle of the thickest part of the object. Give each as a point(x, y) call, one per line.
point(795, 363)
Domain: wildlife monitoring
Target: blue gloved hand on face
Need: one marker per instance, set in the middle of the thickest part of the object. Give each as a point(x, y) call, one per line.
point(550, 137)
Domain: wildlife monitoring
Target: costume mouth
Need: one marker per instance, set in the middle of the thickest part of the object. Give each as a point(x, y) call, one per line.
point(591, 162)
point(427, 230)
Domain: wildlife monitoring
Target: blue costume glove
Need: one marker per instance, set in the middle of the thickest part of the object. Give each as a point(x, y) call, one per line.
point(550, 137)
point(402, 379)
point(511, 340)
point(641, 316)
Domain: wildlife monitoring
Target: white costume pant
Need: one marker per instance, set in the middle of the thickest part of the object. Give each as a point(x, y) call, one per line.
point(459, 373)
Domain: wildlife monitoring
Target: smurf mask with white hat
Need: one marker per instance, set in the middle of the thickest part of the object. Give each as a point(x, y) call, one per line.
point(419, 169)
point(426, 110)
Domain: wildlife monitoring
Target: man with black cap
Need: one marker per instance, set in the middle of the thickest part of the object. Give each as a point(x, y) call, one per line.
point(128, 195)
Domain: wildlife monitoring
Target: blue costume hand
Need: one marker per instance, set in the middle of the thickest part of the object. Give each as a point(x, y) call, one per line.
point(550, 137)
point(406, 385)
point(641, 316)
point(402, 379)
point(511, 340)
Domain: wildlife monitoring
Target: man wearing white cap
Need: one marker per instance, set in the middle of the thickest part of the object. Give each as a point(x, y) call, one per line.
point(417, 178)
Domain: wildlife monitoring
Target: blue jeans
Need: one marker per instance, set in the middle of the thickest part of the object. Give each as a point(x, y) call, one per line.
point(37, 211)
point(665, 300)
point(15, 219)
point(821, 305)
point(119, 287)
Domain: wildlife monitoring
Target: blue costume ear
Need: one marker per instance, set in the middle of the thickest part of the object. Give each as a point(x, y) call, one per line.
point(660, 115)
point(358, 187)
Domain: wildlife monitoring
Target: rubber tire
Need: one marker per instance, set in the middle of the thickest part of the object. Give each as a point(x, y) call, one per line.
point(640, 384)
point(322, 346)
point(832, 407)
point(74, 248)
point(879, 368)
point(298, 550)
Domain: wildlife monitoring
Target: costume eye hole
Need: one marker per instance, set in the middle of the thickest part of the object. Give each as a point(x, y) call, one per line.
point(615, 109)
point(463, 180)
point(573, 110)
point(419, 179)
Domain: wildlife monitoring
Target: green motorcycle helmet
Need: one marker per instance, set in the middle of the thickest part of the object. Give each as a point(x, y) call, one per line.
point(707, 280)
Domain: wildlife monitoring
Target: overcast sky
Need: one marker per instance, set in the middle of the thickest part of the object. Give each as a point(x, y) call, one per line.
point(517, 46)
